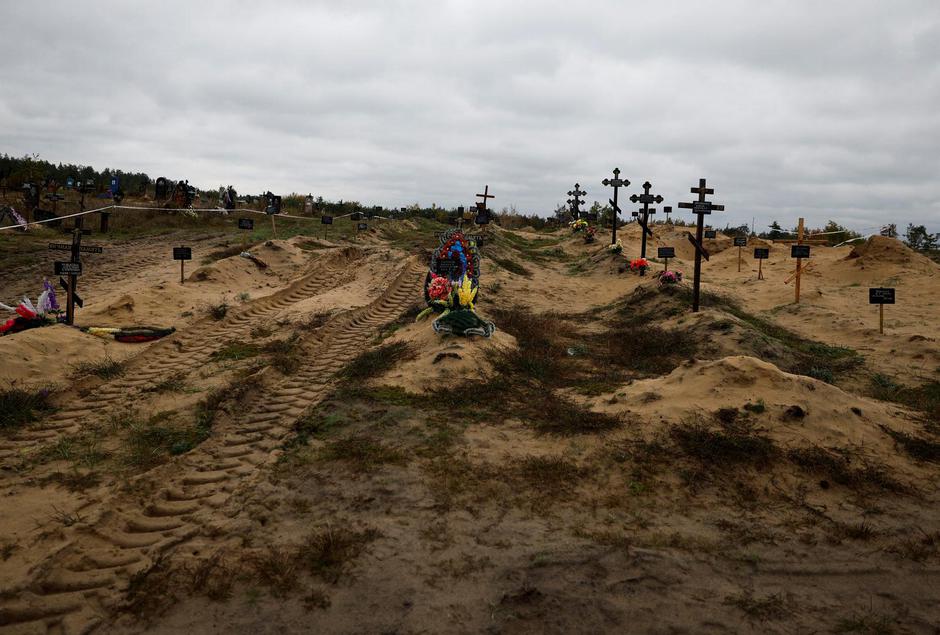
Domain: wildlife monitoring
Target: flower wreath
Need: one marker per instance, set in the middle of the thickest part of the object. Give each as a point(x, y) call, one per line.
point(452, 285)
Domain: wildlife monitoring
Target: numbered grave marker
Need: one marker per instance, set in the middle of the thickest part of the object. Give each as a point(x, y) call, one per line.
point(326, 220)
point(799, 251)
point(740, 242)
point(666, 253)
point(68, 268)
point(182, 254)
point(711, 234)
point(761, 254)
point(881, 296)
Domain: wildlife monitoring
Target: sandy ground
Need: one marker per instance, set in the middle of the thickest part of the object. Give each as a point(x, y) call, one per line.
point(136, 513)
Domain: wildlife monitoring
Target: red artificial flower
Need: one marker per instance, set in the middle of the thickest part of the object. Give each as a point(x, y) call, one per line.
point(439, 287)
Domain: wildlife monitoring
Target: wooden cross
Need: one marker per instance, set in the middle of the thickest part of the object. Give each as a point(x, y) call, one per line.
point(575, 200)
point(615, 183)
point(485, 195)
point(646, 198)
point(700, 208)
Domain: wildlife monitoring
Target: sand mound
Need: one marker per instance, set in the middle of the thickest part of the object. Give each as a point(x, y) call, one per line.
point(881, 250)
point(443, 359)
point(799, 410)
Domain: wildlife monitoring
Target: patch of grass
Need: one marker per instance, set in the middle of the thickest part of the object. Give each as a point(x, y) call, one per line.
point(918, 447)
point(925, 398)
point(726, 447)
point(235, 350)
point(838, 468)
point(756, 408)
point(326, 553)
point(261, 331)
point(361, 453)
point(511, 266)
point(769, 607)
point(867, 624)
point(106, 368)
point(376, 362)
point(277, 568)
point(150, 442)
point(315, 425)
point(20, 406)
point(286, 354)
point(174, 383)
point(547, 474)
point(822, 374)
point(218, 311)
point(549, 413)
point(648, 349)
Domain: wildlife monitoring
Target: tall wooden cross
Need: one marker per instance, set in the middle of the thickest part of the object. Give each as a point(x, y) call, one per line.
point(615, 183)
point(646, 198)
point(700, 208)
point(575, 200)
point(485, 195)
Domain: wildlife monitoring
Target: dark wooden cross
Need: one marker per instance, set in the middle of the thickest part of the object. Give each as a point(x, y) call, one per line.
point(76, 250)
point(485, 195)
point(575, 200)
point(700, 208)
point(615, 183)
point(646, 198)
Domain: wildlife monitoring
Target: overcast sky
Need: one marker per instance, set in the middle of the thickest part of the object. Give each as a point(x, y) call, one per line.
point(796, 107)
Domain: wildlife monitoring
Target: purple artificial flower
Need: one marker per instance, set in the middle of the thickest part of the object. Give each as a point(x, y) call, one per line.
point(53, 302)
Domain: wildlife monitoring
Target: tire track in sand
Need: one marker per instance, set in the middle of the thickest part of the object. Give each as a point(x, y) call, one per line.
point(74, 589)
point(179, 353)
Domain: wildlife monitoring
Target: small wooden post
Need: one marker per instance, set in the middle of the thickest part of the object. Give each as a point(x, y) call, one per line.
point(739, 258)
point(273, 227)
point(182, 275)
point(881, 319)
point(666, 266)
point(760, 267)
point(799, 261)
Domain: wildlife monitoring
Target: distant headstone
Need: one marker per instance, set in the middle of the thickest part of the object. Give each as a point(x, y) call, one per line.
point(272, 204)
point(182, 253)
point(740, 241)
point(161, 189)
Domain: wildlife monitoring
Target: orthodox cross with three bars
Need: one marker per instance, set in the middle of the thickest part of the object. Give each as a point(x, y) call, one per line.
point(575, 200)
point(615, 183)
point(700, 208)
point(646, 198)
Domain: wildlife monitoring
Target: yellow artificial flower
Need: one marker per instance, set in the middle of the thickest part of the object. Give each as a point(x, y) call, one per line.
point(466, 294)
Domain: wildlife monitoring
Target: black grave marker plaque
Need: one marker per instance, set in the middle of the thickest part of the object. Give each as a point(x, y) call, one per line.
point(666, 252)
point(711, 233)
point(881, 295)
point(799, 251)
point(326, 220)
point(182, 253)
point(246, 223)
point(762, 253)
point(362, 227)
point(740, 241)
point(68, 268)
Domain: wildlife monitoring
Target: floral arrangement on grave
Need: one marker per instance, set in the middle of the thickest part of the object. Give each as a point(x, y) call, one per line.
point(615, 248)
point(639, 265)
point(452, 285)
point(589, 234)
point(28, 315)
point(578, 225)
point(669, 277)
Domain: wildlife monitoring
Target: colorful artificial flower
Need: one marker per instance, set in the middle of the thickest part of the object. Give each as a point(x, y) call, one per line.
point(616, 247)
point(639, 264)
point(669, 277)
point(578, 225)
point(439, 288)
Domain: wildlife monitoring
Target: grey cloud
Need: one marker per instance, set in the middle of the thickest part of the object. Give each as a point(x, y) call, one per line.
point(790, 108)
